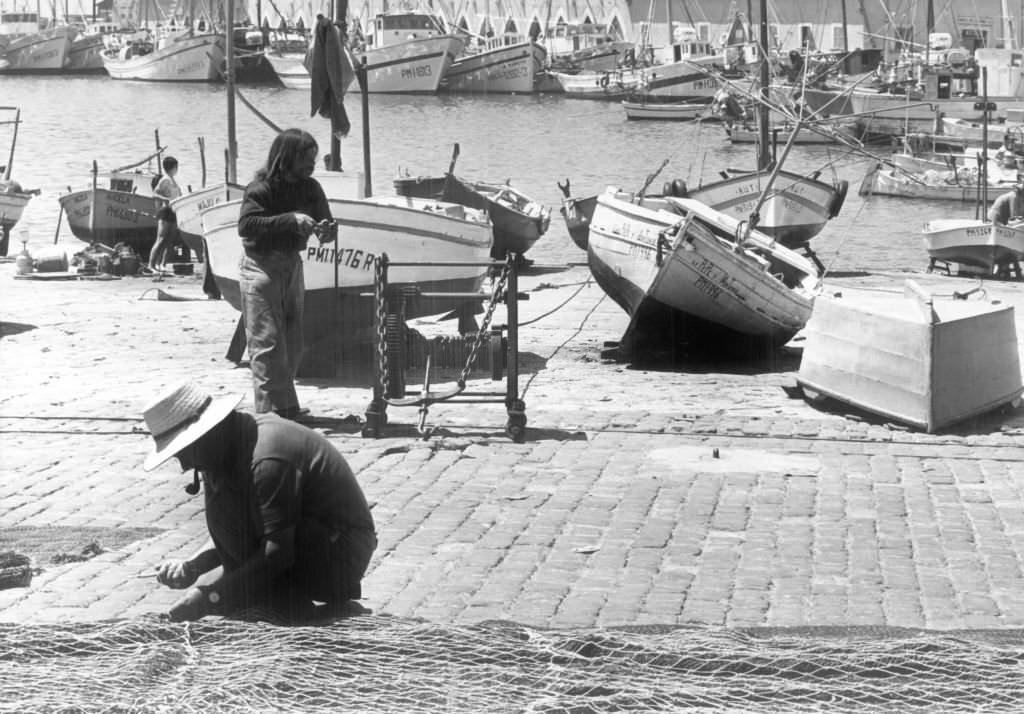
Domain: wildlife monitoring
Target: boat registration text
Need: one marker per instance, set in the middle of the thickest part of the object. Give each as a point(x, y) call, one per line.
point(352, 258)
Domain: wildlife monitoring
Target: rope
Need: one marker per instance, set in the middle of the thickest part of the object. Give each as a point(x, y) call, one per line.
point(555, 309)
point(567, 340)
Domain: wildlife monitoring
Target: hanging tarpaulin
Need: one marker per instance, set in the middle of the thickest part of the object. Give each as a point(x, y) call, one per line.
point(331, 72)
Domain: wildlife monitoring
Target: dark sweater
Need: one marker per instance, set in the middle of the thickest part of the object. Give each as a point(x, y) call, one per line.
point(265, 221)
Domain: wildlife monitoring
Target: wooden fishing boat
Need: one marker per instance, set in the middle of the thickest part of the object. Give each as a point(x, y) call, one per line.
point(13, 197)
point(577, 213)
point(602, 84)
point(188, 208)
point(406, 229)
point(922, 361)
point(25, 48)
point(290, 69)
point(682, 110)
point(979, 243)
point(122, 210)
point(180, 56)
point(739, 134)
point(518, 220)
point(959, 185)
point(397, 64)
point(509, 64)
point(794, 211)
point(682, 255)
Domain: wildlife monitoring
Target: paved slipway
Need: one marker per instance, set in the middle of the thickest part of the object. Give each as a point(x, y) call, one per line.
point(615, 510)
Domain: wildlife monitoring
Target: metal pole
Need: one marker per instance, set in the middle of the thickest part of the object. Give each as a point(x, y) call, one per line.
point(229, 78)
point(364, 91)
point(764, 158)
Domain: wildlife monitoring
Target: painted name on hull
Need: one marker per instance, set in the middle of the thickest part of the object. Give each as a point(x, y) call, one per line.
point(352, 258)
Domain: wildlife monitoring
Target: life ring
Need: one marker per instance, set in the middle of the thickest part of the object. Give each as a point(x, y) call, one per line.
point(837, 200)
point(604, 81)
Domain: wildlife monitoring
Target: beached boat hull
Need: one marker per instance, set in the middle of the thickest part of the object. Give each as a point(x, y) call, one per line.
point(406, 229)
point(518, 220)
point(12, 205)
point(290, 70)
point(413, 67)
point(188, 210)
point(974, 242)
point(44, 51)
point(199, 58)
point(676, 252)
point(101, 215)
point(928, 363)
point(794, 212)
point(503, 70)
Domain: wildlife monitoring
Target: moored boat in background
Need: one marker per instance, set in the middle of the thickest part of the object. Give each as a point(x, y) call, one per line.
point(27, 48)
point(506, 64)
point(175, 55)
point(407, 53)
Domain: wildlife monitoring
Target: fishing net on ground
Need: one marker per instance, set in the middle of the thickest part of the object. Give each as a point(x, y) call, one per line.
point(382, 664)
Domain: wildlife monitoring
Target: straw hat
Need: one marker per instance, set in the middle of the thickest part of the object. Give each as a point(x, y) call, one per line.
point(181, 416)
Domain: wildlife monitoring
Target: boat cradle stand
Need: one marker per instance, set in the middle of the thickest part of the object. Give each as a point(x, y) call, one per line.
point(1004, 270)
point(391, 348)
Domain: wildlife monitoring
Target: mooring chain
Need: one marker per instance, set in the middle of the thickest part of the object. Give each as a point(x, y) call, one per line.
point(488, 315)
point(379, 276)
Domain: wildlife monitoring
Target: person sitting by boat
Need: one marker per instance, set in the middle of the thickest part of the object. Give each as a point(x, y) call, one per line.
point(289, 525)
point(1009, 206)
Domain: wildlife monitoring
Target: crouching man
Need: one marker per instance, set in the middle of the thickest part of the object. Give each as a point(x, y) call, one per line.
point(289, 525)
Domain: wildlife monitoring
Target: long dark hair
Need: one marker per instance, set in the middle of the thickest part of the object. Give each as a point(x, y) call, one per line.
point(287, 148)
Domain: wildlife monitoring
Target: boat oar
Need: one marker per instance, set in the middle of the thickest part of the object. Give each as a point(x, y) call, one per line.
point(60, 215)
point(451, 171)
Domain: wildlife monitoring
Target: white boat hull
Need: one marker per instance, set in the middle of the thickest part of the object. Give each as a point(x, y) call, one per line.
point(640, 254)
point(189, 206)
point(413, 67)
point(101, 215)
point(290, 69)
point(927, 362)
point(938, 186)
point(614, 84)
point(510, 70)
point(685, 79)
point(685, 110)
point(44, 51)
point(86, 54)
point(192, 59)
point(974, 242)
point(406, 229)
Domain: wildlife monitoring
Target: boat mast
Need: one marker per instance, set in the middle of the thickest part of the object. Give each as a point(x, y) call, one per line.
point(229, 79)
point(764, 157)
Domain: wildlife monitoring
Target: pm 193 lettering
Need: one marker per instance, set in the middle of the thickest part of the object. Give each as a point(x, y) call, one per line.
point(345, 257)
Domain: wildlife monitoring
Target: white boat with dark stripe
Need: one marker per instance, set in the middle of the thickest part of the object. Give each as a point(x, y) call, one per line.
point(407, 53)
point(509, 64)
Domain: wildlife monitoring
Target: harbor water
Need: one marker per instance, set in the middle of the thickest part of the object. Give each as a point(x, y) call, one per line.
point(533, 141)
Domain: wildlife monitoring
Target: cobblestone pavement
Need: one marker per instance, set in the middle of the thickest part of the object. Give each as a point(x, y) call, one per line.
point(697, 494)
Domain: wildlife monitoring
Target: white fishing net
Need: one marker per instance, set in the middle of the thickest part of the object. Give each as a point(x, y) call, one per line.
point(382, 664)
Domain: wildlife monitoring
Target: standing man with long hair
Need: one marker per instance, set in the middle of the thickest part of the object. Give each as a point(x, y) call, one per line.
point(281, 209)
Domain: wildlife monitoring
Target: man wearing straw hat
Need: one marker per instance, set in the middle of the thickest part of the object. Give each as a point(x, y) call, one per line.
point(289, 525)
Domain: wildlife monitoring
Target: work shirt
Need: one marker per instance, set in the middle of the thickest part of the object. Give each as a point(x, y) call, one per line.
point(266, 222)
point(280, 473)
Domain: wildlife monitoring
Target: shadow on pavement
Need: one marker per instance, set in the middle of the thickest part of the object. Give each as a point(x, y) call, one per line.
point(8, 329)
